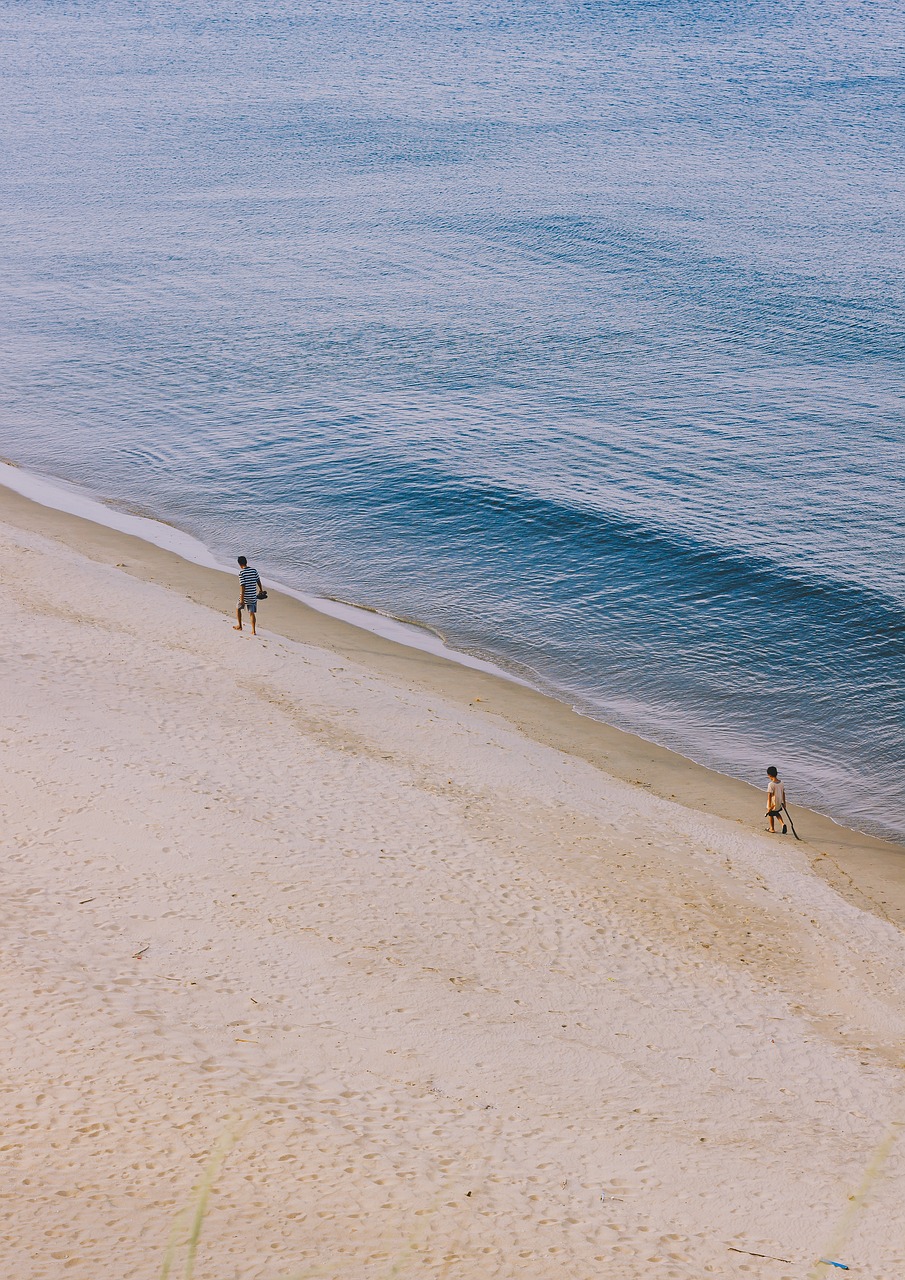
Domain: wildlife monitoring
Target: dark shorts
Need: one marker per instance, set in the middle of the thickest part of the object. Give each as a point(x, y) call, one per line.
point(250, 605)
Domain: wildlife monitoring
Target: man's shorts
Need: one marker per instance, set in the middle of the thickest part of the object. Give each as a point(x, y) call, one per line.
point(250, 605)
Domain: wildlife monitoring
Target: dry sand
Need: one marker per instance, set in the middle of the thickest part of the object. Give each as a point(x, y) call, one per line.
point(465, 1002)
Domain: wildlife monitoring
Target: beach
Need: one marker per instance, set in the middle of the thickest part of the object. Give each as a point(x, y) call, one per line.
point(420, 971)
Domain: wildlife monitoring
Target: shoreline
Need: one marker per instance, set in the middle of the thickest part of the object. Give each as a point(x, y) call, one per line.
point(61, 495)
point(868, 871)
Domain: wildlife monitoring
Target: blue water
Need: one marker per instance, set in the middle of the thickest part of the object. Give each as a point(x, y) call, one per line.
point(574, 331)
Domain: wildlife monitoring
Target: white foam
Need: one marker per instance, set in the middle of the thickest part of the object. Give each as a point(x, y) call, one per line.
point(76, 501)
point(79, 502)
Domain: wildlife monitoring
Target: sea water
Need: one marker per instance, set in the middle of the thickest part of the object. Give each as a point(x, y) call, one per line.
point(572, 331)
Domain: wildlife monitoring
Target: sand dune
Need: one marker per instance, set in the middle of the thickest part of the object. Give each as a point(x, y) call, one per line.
point(458, 1003)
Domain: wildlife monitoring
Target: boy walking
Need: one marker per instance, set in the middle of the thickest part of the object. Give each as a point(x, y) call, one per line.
point(776, 799)
point(249, 586)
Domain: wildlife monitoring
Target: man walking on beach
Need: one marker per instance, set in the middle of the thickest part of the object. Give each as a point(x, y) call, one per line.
point(776, 799)
point(249, 586)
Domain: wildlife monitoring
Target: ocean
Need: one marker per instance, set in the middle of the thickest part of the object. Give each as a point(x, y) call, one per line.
point(572, 332)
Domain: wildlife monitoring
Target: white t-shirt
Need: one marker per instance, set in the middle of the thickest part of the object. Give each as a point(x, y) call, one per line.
point(776, 794)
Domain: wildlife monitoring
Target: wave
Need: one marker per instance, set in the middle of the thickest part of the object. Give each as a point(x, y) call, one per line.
point(596, 542)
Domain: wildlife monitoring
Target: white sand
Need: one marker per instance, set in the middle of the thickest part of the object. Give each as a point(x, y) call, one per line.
point(467, 1006)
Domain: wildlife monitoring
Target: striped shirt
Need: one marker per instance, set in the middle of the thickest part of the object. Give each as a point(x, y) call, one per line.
point(249, 580)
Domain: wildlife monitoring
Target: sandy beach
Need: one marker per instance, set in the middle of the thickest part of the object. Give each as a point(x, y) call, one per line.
point(431, 975)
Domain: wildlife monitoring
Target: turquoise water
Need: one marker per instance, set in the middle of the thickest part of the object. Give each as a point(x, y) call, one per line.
point(572, 331)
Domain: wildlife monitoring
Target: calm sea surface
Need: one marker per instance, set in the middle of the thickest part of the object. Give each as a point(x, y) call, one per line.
point(574, 331)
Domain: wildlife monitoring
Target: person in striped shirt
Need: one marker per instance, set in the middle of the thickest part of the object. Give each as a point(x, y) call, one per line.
point(249, 586)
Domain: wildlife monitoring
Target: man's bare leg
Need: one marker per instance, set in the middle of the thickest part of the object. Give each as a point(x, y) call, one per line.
point(254, 622)
point(238, 626)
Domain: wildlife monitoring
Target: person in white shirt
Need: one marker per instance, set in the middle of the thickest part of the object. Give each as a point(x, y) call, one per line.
point(776, 799)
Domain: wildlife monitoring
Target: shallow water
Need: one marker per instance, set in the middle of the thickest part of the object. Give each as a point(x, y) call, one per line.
point(575, 332)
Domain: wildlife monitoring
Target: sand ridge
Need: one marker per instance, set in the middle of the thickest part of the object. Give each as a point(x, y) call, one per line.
point(465, 1004)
